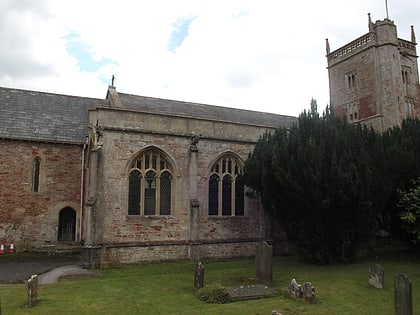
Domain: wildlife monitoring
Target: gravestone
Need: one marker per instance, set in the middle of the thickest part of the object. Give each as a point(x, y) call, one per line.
point(376, 276)
point(308, 292)
point(402, 295)
point(199, 276)
point(32, 285)
point(295, 289)
point(264, 263)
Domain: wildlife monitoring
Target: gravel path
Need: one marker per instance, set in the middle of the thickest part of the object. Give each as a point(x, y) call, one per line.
point(50, 269)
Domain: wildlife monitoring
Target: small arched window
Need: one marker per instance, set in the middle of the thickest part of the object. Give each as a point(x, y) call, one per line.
point(36, 174)
point(226, 187)
point(150, 184)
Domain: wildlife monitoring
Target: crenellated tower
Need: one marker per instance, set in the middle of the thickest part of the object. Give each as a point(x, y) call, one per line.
point(374, 79)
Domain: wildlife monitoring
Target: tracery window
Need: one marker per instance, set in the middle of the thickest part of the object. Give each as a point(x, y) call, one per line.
point(150, 184)
point(226, 187)
point(36, 174)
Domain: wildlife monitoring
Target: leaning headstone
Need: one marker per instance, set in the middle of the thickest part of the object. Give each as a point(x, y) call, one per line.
point(403, 295)
point(376, 276)
point(308, 292)
point(32, 284)
point(295, 289)
point(264, 263)
point(199, 276)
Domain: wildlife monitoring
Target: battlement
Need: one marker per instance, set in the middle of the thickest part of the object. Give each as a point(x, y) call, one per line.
point(407, 47)
point(351, 48)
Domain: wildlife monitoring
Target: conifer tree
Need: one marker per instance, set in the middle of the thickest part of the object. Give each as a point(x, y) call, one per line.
point(319, 180)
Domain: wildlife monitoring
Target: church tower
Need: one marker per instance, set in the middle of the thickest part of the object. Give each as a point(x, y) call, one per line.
point(374, 79)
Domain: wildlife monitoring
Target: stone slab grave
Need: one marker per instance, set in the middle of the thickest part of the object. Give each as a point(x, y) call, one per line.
point(264, 275)
point(250, 292)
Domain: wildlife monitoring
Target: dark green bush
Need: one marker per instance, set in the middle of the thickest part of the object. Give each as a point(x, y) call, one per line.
point(214, 294)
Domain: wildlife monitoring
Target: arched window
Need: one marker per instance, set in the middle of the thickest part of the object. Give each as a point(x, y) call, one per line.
point(150, 184)
point(36, 174)
point(226, 187)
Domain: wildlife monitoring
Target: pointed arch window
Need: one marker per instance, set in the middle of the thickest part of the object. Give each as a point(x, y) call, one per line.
point(226, 187)
point(36, 174)
point(150, 184)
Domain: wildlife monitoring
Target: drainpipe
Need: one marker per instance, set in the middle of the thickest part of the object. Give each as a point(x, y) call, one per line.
point(82, 189)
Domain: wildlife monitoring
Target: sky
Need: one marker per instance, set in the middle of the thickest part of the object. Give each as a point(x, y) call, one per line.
point(265, 55)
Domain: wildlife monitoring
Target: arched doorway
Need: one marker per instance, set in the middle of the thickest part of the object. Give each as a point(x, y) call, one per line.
point(67, 225)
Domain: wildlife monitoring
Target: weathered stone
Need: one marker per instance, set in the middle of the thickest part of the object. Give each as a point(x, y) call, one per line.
point(308, 292)
point(199, 276)
point(403, 295)
point(295, 289)
point(32, 288)
point(376, 276)
point(250, 292)
point(264, 263)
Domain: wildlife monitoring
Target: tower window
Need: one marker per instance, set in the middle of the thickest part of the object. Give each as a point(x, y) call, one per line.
point(352, 110)
point(351, 80)
point(409, 107)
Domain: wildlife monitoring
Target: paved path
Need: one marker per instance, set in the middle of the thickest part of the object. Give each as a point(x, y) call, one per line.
point(54, 275)
point(16, 270)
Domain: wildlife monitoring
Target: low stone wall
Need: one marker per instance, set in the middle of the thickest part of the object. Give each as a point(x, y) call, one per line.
point(136, 253)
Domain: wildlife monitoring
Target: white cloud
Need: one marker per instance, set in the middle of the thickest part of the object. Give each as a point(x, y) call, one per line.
point(266, 55)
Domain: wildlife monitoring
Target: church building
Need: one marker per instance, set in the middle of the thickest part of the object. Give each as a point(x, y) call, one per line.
point(130, 178)
point(374, 79)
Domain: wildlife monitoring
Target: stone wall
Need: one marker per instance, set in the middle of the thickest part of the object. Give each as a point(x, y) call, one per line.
point(30, 218)
point(123, 135)
point(149, 252)
point(365, 77)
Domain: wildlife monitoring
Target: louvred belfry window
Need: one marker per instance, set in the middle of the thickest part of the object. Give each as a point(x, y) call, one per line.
point(226, 187)
point(150, 184)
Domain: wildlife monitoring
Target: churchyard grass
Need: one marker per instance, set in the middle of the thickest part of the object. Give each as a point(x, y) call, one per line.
point(167, 288)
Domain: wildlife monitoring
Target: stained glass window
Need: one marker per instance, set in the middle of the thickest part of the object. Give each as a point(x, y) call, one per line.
point(226, 187)
point(150, 184)
point(214, 194)
point(134, 188)
point(165, 193)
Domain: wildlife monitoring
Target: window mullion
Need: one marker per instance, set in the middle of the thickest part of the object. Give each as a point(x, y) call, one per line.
point(142, 188)
point(157, 205)
point(233, 194)
point(220, 196)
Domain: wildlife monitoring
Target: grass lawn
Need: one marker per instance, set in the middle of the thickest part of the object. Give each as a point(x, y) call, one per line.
point(167, 288)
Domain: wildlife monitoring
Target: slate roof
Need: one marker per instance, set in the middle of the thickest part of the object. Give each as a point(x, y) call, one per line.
point(40, 116)
point(203, 111)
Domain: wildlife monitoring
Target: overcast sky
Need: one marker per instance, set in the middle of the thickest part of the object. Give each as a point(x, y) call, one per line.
point(265, 55)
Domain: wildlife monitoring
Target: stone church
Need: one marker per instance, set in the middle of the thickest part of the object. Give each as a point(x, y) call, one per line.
point(132, 178)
